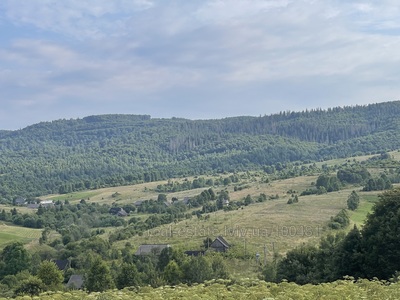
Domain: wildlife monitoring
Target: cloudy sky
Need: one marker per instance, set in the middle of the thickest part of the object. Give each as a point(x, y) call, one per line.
point(197, 59)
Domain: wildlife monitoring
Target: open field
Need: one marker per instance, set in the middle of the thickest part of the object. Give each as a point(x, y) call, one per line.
point(263, 228)
point(9, 234)
point(125, 194)
point(21, 209)
point(367, 201)
point(273, 223)
point(146, 191)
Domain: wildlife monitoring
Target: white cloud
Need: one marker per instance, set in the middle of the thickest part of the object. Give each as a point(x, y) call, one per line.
point(224, 10)
point(79, 19)
point(245, 55)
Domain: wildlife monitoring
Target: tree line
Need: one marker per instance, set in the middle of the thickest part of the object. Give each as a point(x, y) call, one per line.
point(111, 150)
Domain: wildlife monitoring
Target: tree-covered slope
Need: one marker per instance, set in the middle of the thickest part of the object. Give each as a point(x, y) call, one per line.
point(106, 150)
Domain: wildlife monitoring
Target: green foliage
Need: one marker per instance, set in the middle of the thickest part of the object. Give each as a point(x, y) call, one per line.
point(248, 200)
point(197, 269)
point(380, 237)
point(369, 253)
point(341, 220)
point(293, 199)
point(310, 264)
point(50, 275)
point(99, 276)
point(299, 265)
point(219, 267)
point(246, 289)
point(13, 259)
point(268, 272)
point(173, 273)
point(330, 183)
point(378, 184)
point(101, 151)
point(207, 242)
point(353, 201)
point(32, 286)
point(349, 256)
point(353, 175)
point(127, 275)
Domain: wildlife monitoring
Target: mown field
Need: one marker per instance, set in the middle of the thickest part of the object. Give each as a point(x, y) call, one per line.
point(9, 234)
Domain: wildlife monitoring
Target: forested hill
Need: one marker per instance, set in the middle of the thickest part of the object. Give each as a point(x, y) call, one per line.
point(110, 150)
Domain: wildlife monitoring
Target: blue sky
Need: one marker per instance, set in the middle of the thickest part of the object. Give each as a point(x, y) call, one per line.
point(197, 59)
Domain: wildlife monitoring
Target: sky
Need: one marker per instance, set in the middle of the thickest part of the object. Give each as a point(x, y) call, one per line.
point(196, 59)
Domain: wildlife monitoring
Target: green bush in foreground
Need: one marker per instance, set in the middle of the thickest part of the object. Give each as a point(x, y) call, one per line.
point(243, 289)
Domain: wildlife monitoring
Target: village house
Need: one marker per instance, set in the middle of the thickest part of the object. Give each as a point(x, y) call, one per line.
point(62, 264)
point(20, 201)
point(220, 244)
point(75, 282)
point(118, 211)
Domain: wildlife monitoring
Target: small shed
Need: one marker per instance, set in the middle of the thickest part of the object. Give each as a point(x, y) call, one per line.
point(33, 206)
point(220, 244)
point(118, 211)
point(20, 201)
point(62, 264)
point(75, 282)
point(47, 203)
point(138, 203)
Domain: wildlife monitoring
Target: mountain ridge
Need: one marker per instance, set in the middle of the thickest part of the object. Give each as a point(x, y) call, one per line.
point(119, 149)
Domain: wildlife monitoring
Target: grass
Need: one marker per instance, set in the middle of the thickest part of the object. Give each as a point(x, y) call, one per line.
point(10, 233)
point(146, 191)
point(273, 225)
point(367, 201)
point(20, 209)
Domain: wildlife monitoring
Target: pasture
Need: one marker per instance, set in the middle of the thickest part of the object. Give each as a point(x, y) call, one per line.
point(10, 233)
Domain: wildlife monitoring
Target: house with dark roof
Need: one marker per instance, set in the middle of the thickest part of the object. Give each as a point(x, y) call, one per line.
point(62, 264)
point(20, 201)
point(220, 244)
point(118, 211)
point(147, 249)
point(33, 206)
point(75, 282)
point(138, 203)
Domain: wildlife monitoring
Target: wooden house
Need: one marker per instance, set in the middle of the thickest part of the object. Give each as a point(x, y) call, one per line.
point(220, 244)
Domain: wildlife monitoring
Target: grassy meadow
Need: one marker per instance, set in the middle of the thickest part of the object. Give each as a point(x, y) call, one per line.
point(10, 233)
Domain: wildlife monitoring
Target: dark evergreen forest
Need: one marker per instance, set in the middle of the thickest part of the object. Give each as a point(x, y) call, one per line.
point(111, 150)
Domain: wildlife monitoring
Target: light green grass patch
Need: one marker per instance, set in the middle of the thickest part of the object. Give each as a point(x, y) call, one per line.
point(367, 202)
point(9, 234)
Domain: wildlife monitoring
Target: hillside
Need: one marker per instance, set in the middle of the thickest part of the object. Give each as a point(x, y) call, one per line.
point(113, 150)
point(261, 226)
